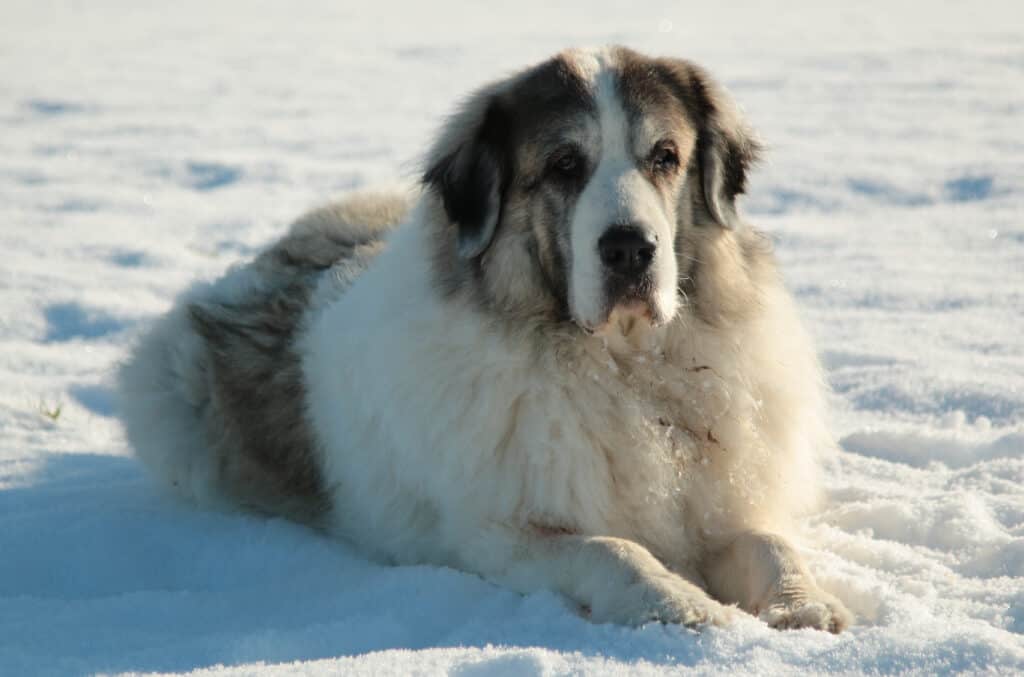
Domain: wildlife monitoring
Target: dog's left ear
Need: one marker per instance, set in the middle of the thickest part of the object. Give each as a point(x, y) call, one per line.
point(469, 170)
point(726, 145)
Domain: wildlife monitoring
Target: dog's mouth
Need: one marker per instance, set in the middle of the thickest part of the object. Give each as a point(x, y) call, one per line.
point(629, 308)
point(628, 316)
point(631, 313)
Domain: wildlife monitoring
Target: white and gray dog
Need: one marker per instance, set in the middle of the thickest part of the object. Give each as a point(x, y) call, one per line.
point(565, 362)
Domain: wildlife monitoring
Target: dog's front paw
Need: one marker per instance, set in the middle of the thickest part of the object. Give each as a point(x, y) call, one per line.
point(813, 608)
point(666, 599)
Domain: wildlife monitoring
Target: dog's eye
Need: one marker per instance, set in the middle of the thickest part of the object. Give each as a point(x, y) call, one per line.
point(567, 164)
point(665, 159)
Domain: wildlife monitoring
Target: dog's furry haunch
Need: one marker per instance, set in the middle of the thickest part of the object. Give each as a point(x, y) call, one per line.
point(564, 363)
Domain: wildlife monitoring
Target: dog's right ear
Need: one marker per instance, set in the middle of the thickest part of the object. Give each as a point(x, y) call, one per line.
point(469, 169)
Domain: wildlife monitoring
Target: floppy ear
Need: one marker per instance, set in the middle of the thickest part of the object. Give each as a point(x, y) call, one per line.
point(469, 170)
point(726, 145)
point(725, 157)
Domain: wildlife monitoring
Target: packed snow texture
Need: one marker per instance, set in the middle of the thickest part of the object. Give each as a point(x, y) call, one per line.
point(144, 145)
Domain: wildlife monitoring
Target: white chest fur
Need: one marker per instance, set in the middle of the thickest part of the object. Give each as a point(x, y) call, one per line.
point(434, 423)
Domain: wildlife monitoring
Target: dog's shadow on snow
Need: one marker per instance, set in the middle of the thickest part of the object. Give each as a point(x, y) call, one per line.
point(182, 588)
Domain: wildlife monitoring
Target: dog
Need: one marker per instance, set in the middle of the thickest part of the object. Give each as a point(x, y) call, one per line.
point(564, 361)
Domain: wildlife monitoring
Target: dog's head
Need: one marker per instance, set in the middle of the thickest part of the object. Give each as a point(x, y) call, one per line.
point(567, 188)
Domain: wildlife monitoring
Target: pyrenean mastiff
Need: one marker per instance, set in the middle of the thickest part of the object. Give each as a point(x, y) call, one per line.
point(565, 362)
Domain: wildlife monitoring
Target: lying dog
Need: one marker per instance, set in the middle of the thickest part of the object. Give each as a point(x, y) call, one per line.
point(565, 364)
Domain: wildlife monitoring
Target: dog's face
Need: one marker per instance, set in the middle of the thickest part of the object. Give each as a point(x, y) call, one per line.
point(567, 188)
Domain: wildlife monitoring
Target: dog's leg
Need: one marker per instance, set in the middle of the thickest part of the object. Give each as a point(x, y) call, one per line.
point(764, 575)
point(613, 580)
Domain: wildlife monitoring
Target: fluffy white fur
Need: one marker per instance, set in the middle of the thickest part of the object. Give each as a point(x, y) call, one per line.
point(474, 462)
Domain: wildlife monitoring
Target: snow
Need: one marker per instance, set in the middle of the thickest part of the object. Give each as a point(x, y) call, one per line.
point(143, 146)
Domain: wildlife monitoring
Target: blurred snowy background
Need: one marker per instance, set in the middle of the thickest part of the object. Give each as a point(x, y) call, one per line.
point(144, 144)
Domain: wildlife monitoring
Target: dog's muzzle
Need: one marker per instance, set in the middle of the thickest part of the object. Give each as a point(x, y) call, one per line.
point(627, 254)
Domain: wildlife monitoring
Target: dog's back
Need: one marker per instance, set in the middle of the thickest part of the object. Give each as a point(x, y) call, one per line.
point(212, 398)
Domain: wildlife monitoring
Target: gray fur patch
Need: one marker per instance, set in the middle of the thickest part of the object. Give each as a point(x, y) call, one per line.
point(255, 420)
point(521, 276)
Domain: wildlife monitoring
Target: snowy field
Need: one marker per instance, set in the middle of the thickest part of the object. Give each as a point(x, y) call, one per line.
point(143, 147)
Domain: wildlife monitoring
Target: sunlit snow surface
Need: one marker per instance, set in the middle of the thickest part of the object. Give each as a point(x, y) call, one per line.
point(141, 148)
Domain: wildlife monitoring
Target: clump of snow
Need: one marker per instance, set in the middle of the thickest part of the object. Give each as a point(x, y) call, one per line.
point(141, 147)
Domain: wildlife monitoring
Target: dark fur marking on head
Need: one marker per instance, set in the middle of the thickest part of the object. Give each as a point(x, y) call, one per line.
point(491, 154)
point(726, 148)
point(715, 171)
point(472, 180)
point(555, 265)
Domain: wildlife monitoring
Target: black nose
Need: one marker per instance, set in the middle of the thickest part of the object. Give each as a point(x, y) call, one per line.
point(626, 250)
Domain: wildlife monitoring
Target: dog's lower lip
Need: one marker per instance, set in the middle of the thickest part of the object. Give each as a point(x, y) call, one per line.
point(634, 305)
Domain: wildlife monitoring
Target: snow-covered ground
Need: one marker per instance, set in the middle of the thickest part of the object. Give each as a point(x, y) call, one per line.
point(145, 144)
